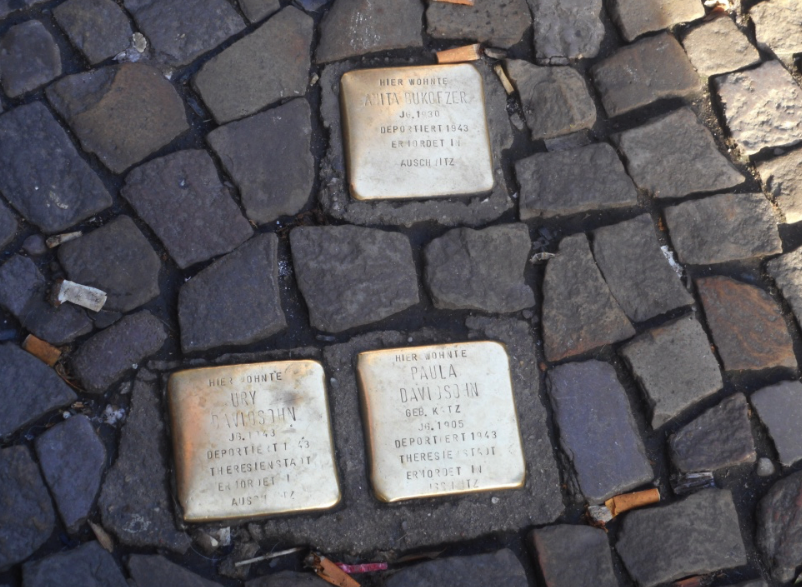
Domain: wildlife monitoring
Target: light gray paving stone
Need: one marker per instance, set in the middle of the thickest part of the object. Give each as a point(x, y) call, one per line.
point(479, 570)
point(636, 17)
point(779, 528)
point(29, 58)
point(778, 26)
point(566, 29)
point(256, 10)
point(157, 571)
point(786, 271)
point(98, 28)
point(10, 6)
point(780, 409)
point(782, 179)
point(86, 566)
point(8, 225)
point(574, 556)
point(719, 46)
point(499, 23)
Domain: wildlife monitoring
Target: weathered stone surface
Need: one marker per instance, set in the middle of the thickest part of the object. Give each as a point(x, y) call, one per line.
point(110, 354)
point(350, 276)
point(499, 23)
point(780, 409)
point(116, 258)
point(157, 571)
point(270, 64)
point(779, 527)
point(256, 10)
point(574, 556)
point(720, 437)
point(135, 501)
point(556, 100)
point(27, 518)
point(181, 30)
point(8, 226)
point(762, 106)
point(212, 313)
point(697, 535)
point(747, 325)
point(573, 181)
point(726, 227)
point(718, 47)
point(86, 566)
point(652, 69)
point(674, 366)
point(10, 6)
point(786, 270)
point(483, 270)
point(479, 570)
point(778, 26)
point(43, 176)
point(756, 583)
point(287, 579)
point(636, 271)
point(279, 184)
point(782, 179)
point(597, 431)
point(579, 312)
point(98, 28)
point(29, 58)
point(72, 457)
point(636, 17)
point(121, 113)
point(566, 29)
point(181, 198)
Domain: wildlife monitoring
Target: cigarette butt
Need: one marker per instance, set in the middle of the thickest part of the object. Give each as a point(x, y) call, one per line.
point(87, 297)
point(463, 2)
point(460, 54)
point(329, 572)
point(44, 351)
point(621, 503)
point(505, 81)
point(59, 239)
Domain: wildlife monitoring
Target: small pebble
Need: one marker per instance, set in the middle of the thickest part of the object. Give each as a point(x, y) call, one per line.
point(35, 245)
point(765, 468)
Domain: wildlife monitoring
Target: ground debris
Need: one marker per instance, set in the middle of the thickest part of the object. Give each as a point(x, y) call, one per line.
point(463, 2)
point(628, 501)
point(59, 239)
point(505, 81)
point(328, 571)
point(85, 296)
point(42, 350)
point(460, 54)
point(682, 484)
point(102, 536)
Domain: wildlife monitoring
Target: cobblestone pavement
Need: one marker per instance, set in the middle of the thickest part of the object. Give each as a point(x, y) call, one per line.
point(637, 256)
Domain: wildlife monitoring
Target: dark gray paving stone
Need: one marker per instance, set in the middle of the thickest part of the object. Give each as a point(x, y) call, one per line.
point(27, 518)
point(479, 570)
point(10, 6)
point(579, 312)
point(747, 325)
point(180, 196)
point(350, 276)
point(86, 566)
point(652, 69)
point(29, 58)
point(786, 271)
point(756, 583)
point(782, 179)
point(574, 556)
point(556, 100)
point(721, 437)
point(597, 430)
point(135, 501)
point(110, 354)
point(43, 176)
point(157, 571)
point(499, 23)
point(277, 185)
point(780, 409)
point(8, 225)
point(761, 107)
point(237, 83)
point(674, 366)
point(636, 271)
point(636, 17)
point(566, 29)
point(779, 527)
point(482, 270)
point(719, 46)
point(72, 458)
point(777, 27)
point(116, 258)
point(98, 28)
point(573, 181)
point(121, 113)
point(287, 579)
point(182, 30)
point(357, 27)
point(675, 156)
point(721, 228)
point(256, 10)
point(212, 313)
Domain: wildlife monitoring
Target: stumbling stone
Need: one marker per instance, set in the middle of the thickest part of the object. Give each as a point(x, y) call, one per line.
point(556, 100)
point(350, 276)
point(779, 527)
point(37, 152)
point(786, 271)
point(86, 566)
point(782, 179)
point(718, 47)
point(29, 58)
point(566, 29)
point(674, 367)
point(697, 535)
point(597, 431)
point(214, 314)
point(652, 69)
point(98, 28)
point(121, 113)
point(287, 579)
point(234, 83)
point(573, 181)
point(747, 325)
point(278, 185)
point(762, 107)
point(499, 23)
point(117, 259)
point(10, 6)
point(157, 571)
point(574, 556)
point(636, 271)
point(256, 10)
point(675, 156)
point(579, 312)
point(721, 437)
point(8, 226)
point(780, 409)
point(72, 458)
point(636, 17)
point(479, 570)
point(778, 27)
point(482, 270)
point(721, 228)
point(182, 199)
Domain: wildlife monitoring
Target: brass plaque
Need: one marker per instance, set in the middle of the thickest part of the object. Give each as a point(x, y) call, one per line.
point(440, 420)
point(252, 440)
point(416, 132)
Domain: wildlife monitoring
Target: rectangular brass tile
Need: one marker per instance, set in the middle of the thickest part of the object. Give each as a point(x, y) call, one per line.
point(416, 132)
point(440, 420)
point(252, 440)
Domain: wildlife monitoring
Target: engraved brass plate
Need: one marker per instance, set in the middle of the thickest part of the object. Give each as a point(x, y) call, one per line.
point(440, 420)
point(416, 132)
point(252, 440)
